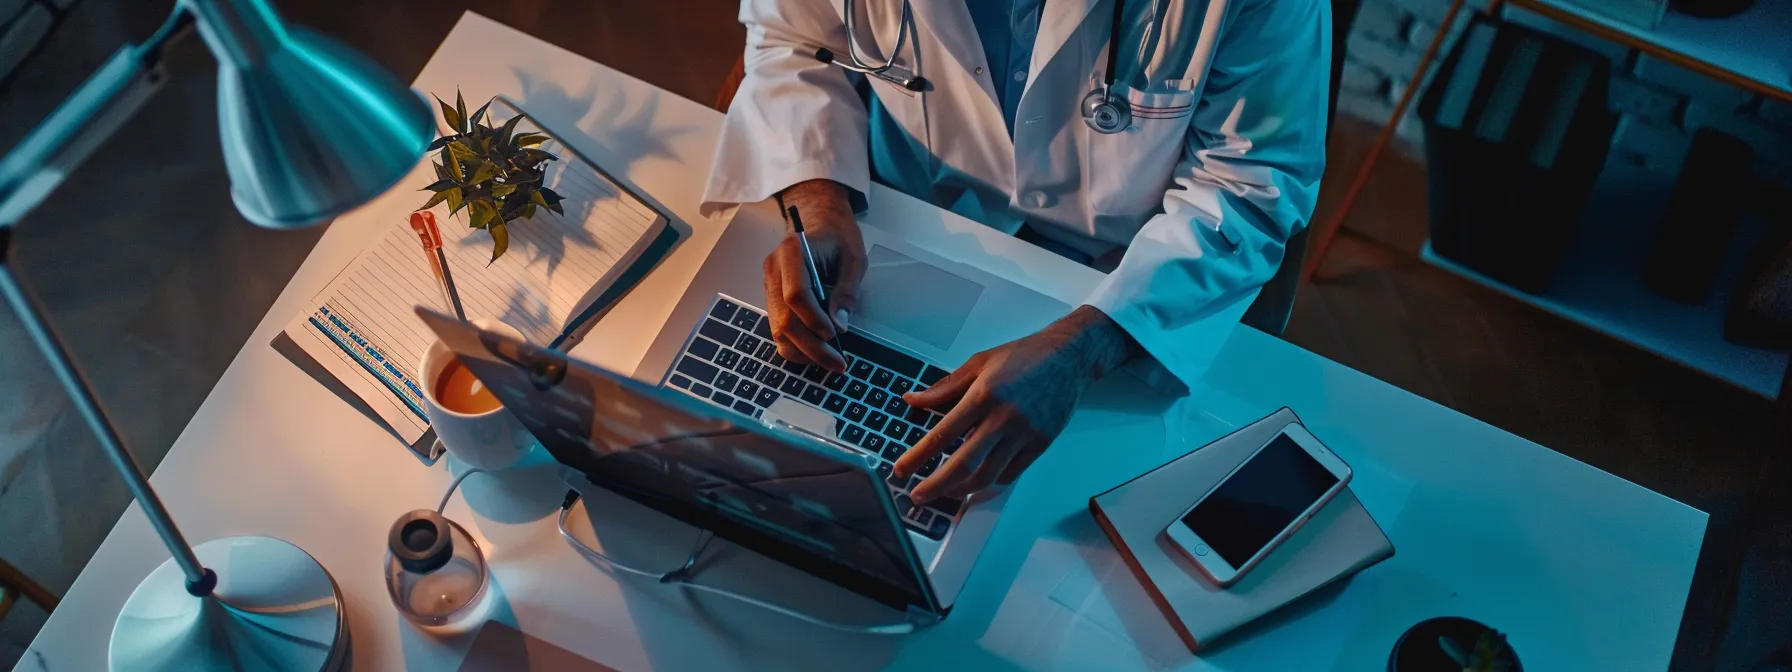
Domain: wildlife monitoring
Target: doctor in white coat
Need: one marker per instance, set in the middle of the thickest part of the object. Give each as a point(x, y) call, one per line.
point(1188, 206)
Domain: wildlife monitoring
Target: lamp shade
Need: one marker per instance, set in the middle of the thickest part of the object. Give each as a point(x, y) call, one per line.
point(311, 129)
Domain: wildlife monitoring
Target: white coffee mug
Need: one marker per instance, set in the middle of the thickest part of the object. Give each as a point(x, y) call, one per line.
point(494, 439)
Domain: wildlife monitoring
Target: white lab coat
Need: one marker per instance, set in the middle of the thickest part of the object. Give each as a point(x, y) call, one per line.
point(1220, 167)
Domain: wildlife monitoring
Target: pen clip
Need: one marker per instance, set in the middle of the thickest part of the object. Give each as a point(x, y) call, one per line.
point(424, 223)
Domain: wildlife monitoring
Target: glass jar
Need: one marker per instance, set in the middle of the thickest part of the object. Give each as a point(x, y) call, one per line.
point(435, 573)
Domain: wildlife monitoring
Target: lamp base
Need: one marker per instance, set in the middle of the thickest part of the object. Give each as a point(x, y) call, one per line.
point(275, 608)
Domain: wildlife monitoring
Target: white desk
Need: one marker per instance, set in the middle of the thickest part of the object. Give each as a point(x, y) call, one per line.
point(1584, 570)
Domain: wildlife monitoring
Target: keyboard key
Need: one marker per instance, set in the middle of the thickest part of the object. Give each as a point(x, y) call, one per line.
point(901, 386)
point(681, 382)
point(815, 395)
point(946, 505)
point(697, 369)
point(767, 351)
point(862, 369)
point(881, 355)
point(835, 404)
point(744, 408)
point(855, 412)
point(794, 368)
point(896, 430)
point(727, 359)
point(904, 504)
point(872, 442)
point(932, 375)
point(953, 445)
point(775, 360)
point(726, 382)
point(770, 377)
point(853, 434)
point(927, 467)
point(922, 517)
point(723, 310)
point(726, 400)
point(857, 389)
point(933, 420)
point(915, 434)
point(882, 378)
point(875, 421)
point(766, 397)
point(893, 451)
point(747, 389)
point(835, 382)
point(763, 329)
point(792, 386)
point(815, 374)
point(748, 367)
point(719, 332)
point(877, 398)
point(896, 408)
point(916, 416)
point(883, 470)
point(746, 320)
point(702, 390)
point(747, 344)
point(704, 349)
point(937, 530)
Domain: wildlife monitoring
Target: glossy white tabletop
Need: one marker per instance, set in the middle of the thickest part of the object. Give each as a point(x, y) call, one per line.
point(1582, 569)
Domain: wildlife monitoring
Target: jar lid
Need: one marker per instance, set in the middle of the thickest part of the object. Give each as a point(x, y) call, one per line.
point(421, 540)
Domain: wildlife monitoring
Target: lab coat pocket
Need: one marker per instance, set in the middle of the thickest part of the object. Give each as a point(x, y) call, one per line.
point(1128, 172)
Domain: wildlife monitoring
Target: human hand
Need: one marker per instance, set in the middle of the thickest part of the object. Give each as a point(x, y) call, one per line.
point(799, 326)
point(1009, 403)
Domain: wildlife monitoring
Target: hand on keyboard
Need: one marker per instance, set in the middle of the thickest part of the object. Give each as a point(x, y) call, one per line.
point(800, 327)
point(1010, 402)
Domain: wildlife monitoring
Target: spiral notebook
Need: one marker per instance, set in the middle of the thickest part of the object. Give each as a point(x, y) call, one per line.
point(557, 276)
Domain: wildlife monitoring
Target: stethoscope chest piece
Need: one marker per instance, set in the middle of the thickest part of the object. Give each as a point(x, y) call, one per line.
point(1106, 112)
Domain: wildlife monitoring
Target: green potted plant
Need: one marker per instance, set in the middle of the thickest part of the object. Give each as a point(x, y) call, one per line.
point(494, 173)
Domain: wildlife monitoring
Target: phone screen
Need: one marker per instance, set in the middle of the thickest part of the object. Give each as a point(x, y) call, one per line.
point(1259, 500)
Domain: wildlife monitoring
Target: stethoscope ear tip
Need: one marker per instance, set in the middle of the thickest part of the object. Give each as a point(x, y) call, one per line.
point(824, 55)
point(917, 84)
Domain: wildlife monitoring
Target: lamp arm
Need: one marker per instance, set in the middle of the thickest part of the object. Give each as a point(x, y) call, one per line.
point(39, 163)
point(27, 175)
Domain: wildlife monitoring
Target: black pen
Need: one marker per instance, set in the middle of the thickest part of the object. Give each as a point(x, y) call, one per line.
point(821, 297)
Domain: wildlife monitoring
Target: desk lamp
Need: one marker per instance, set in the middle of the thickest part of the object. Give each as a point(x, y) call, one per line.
point(310, 130)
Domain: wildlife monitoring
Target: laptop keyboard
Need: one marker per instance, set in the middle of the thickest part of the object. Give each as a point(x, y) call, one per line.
point(733, 363)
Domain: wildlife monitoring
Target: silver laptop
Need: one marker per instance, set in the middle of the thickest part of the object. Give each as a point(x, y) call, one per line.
point(919, 316)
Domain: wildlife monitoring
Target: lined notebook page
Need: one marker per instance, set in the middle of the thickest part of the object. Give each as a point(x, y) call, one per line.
point(363, 329)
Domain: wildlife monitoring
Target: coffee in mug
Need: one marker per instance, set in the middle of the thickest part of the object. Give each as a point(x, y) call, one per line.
point(459, 391)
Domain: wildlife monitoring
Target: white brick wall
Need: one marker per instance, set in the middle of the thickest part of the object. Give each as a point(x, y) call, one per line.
point(1660, 104)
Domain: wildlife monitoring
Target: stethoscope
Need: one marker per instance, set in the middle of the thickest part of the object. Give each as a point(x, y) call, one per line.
point(1104, 110)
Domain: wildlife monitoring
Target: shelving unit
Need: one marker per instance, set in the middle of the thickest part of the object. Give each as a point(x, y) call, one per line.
point(1751, 50)
point(1600, 285)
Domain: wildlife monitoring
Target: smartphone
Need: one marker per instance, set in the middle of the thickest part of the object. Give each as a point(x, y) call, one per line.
point(1259, 505)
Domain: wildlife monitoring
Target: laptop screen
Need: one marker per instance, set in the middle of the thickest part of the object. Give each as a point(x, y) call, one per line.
point(789, 497)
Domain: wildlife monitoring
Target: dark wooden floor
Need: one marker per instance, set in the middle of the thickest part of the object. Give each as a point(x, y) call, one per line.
point(1374, 309)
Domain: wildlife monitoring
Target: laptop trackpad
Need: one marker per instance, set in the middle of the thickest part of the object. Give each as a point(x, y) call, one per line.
point(923, 301)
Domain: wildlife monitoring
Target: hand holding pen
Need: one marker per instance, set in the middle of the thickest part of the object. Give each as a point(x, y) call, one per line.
point(807, 320)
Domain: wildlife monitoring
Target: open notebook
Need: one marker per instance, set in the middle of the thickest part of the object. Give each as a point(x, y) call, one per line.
point(361, 328)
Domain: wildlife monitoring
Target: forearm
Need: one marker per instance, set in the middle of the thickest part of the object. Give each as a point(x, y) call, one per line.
point(1100, 343)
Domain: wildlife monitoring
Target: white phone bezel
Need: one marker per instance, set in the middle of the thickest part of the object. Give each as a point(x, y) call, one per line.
point(1210, 563)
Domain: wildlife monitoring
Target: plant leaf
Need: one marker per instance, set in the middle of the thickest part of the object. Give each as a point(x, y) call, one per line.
point(503, 190)
point(486, 171)
point(500, 240)
point(481, 214)
point(442, 170)
point(529, 211)
point(536, 197)
point(460, 105)
point(533, 156)
point(509, 128)
point(454, 169)
point(529, 139)
point(454, 199)
point(438, 197)
point(449, 115)
point(555, 206)
point(479, 114)
point(460, 150)
point(440, 143)
point(438, 185)
point(550, 197)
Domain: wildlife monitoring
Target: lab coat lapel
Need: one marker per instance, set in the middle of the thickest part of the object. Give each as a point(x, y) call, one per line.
point(1059, 20)
point(949, 23)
